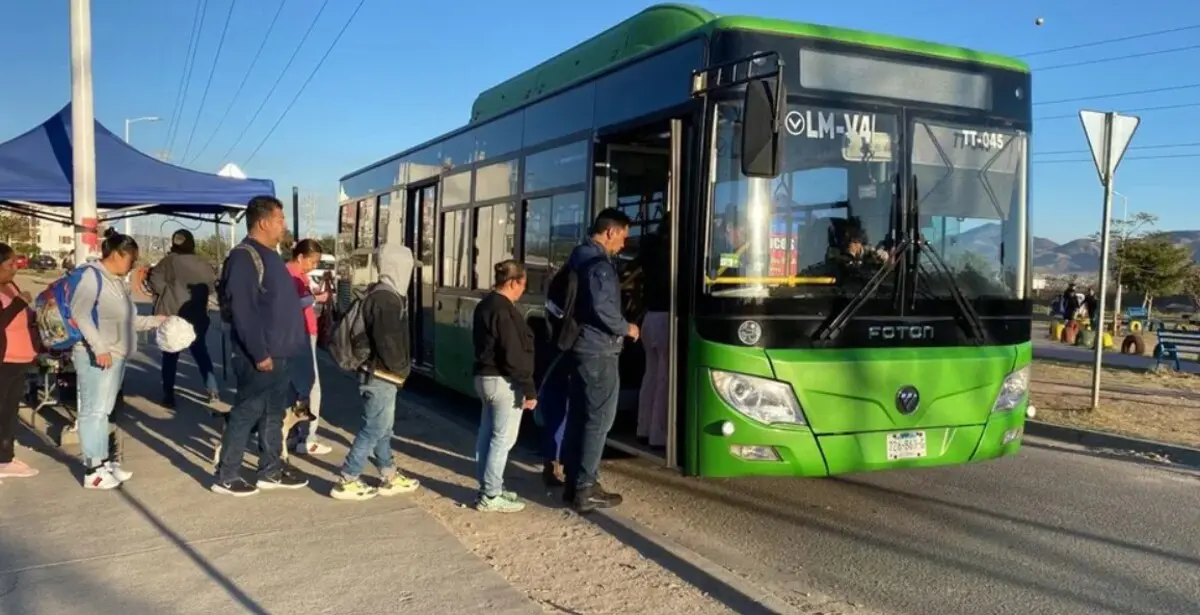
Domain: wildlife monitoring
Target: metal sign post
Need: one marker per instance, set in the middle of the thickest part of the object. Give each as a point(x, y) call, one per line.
point(1108, 136)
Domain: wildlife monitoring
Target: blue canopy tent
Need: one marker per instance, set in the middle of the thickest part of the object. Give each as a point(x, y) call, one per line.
point(36, 169)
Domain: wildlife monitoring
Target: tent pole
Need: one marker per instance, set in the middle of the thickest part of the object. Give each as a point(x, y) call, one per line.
point(83, 132)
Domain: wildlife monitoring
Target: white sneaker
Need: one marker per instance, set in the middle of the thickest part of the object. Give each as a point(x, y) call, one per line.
point(100, 478)
point(115, 469)
point(313, 448)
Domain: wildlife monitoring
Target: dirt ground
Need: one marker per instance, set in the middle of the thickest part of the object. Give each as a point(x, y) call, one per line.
point(1162, 406)
point(564, 562)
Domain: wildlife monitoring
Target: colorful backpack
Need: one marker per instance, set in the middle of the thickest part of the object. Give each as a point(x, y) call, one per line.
point(56, 325)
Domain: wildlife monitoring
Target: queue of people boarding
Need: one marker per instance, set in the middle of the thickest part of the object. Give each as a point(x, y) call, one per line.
point(269, 307)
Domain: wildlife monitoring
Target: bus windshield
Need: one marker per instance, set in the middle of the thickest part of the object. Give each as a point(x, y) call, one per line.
point(828, 222)
point(970, 196)
point(821, 228)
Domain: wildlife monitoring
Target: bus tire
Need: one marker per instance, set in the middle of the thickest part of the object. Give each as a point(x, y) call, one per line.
point(1133, 344)
point(1135, 326)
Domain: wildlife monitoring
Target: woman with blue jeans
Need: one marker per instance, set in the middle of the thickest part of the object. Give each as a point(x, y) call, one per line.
point(504, 383)
point(103, 309)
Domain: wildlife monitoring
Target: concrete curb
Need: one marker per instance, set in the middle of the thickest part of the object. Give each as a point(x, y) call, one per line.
point(1179, 455)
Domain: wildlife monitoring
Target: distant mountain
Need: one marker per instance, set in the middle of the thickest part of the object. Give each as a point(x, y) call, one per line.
point(1077, 256)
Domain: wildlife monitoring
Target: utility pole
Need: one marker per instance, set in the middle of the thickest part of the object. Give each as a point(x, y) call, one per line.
point(128, 122)
point(1108, 136)
point(83, 132)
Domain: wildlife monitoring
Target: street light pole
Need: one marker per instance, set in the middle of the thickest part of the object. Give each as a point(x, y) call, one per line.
point(128, 121)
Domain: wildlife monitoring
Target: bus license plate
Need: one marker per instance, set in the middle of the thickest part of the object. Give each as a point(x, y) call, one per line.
point(905, 445)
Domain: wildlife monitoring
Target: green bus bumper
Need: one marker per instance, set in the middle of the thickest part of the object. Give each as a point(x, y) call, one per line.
point(754, 449)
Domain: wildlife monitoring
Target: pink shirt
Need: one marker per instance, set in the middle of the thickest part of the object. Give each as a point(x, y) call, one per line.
point(18, 334)
point(302, 287)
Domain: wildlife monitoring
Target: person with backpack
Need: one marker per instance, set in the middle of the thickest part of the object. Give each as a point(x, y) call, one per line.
point(305, 257)
point(259, 300)
point(103, 310)
point(593, 329)
point(372, 340)
point(181, 284)
point(503, 381)
point(18, 350)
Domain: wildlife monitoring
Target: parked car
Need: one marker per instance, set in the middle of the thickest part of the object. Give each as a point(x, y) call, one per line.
point(43, 262)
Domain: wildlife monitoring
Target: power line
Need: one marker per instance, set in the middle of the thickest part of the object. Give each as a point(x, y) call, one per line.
point(1158, 157)
point(212, 71)
point(189, 57)
point(1083, 151)
point(245, 78)
point(275, 85)
point(1131, 56)
point(306, 81)
point(1109, 41)
point(1130, 110)
point(1173, 88)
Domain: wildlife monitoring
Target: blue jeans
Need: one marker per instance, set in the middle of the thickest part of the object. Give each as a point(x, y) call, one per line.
point(498, 428)
point(552, 407)
point(261, 401)
point(199, 350)
point(594, 391)
point(95, 396)
point(374, 437)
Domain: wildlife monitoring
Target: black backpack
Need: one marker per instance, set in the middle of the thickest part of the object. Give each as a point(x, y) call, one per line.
point(223, 302)
point(561, 297)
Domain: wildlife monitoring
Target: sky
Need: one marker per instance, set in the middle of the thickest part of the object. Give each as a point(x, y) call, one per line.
point(404, 72)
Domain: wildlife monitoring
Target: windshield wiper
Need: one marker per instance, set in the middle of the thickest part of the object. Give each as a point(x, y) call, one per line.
point(824, 333)
point(974, 322)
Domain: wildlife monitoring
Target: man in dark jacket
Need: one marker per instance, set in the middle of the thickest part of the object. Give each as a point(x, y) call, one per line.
point(268, 328)
point(593, 361)
point(385, 317)
point(182, 283)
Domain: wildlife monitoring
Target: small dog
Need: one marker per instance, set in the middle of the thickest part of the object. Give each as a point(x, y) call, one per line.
point(299, 413)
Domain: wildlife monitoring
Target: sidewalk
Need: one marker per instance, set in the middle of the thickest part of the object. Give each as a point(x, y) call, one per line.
point(164, 543)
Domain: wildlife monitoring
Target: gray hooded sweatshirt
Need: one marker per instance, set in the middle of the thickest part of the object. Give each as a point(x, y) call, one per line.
point(117, 318)
point(395, 262)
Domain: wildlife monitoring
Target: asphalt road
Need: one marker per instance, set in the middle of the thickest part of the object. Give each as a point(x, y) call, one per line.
point(1049, 531)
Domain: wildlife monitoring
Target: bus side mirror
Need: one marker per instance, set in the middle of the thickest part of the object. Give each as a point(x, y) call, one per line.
point(762, 117)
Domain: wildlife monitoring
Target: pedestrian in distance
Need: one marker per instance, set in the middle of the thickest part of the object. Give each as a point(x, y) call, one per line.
point(182, 283)
point(18, 350)
point(503, 369)
point(107, 318)
point(593, 360)
point(305, 257)
point(385, 331)
point(259, 299)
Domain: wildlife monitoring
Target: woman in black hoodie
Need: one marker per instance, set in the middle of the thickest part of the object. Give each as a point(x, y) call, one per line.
point(182, 282)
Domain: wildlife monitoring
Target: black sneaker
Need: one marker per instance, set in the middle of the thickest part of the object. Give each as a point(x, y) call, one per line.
point(286, 479)
point(588, 499)
point(168, 402)
point(237, 487)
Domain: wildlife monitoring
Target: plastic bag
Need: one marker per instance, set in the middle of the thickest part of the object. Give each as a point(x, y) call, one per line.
point(174, 335)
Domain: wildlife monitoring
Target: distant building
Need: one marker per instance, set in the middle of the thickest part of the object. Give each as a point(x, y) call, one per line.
point(54, 238)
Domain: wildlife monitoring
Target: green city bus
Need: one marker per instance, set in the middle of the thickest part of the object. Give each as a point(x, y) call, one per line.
point(850, 238)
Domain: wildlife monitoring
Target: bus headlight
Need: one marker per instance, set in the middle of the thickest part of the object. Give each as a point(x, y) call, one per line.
point(1013, 391)
point(765, 401)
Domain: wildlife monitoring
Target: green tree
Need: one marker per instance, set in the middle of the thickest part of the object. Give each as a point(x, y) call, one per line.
point(1152, 265)
point(1191, 285)
point(18, 232)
